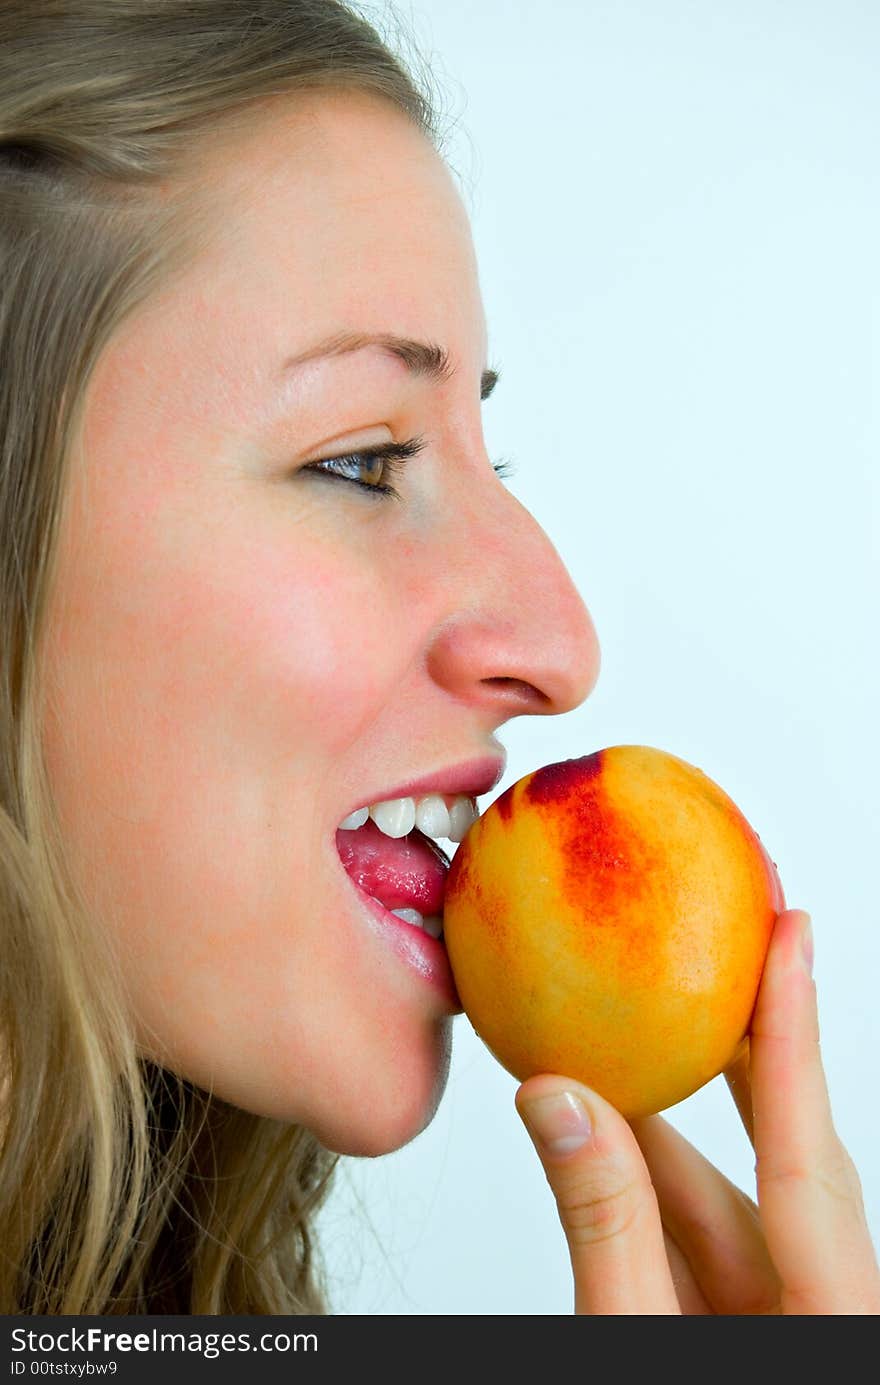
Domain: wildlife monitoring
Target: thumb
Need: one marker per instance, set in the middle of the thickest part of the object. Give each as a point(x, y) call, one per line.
point(604, 1196)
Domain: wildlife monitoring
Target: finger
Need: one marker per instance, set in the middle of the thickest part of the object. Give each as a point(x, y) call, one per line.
point(604, 1196)
point(691, 1299)
point(713, 1223)
point(738, 1078)
point(808, 1190)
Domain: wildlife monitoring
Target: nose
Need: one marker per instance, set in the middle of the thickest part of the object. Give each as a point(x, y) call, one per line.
point(517, 638)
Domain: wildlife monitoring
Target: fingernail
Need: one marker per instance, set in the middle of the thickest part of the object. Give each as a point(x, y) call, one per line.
point(807, 944)
point(560, 1121)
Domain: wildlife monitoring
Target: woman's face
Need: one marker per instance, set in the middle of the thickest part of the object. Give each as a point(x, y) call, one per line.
point(242, 650)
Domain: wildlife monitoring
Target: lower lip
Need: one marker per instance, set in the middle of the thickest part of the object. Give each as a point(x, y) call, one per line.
point(416, 948)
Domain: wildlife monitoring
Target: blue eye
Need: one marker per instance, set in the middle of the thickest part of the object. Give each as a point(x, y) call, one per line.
point(370, 467)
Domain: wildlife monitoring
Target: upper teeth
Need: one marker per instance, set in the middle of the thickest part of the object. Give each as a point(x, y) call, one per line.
point(398, 816)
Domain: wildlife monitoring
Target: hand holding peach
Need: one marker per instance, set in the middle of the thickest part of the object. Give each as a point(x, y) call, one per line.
point(608, 918)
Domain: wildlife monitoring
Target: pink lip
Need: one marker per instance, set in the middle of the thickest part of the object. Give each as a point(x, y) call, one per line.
point(415, 947)
point(474, 777)
point(427, 955)
point(418, 949)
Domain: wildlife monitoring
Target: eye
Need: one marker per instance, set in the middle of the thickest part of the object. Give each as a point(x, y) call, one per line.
point(371, 467)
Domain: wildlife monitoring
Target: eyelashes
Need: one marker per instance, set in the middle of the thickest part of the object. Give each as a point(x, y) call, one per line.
point(385, 460)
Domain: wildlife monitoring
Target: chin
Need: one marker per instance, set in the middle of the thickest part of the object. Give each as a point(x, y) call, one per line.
point(395, 1108)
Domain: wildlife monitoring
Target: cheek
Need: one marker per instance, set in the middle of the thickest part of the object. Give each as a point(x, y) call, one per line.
point(266, 651)
point(186, 644)
point(203, 694)
point(208, 668)
point(204, 603)
point(218, 652)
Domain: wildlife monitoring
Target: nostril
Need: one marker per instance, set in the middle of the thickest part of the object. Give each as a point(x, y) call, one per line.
point(519, 690)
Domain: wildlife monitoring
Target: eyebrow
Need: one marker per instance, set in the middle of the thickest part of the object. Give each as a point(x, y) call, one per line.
point(419, 357)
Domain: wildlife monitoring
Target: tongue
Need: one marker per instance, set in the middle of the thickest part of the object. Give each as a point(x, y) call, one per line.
point(402, 873)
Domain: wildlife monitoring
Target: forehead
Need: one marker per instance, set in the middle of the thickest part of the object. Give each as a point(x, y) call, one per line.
point(329, 139)
point(325, 211)
point(327, 214)
point(334, 190)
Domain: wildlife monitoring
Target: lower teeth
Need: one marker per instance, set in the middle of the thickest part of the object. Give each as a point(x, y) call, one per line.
point(432, 925)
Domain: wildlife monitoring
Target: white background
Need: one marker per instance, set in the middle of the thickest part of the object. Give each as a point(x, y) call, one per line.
point(676, 215)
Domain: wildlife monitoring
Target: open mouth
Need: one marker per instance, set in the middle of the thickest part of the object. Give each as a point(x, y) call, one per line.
point(396, 863)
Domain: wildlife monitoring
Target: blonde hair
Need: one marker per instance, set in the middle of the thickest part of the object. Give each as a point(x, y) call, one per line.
point(123, 1187)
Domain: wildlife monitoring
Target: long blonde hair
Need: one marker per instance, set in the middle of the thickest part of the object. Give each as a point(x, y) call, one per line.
point(123, 1188)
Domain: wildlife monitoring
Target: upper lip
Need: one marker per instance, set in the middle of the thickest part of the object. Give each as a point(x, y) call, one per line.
point(471, 777)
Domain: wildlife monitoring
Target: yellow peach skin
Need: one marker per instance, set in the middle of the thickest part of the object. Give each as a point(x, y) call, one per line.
point(607, 918)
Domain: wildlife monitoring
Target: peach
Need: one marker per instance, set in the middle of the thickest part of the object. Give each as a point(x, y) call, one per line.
point(607, 918)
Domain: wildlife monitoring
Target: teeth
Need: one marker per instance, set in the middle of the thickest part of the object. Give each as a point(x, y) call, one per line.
point(396, 817)
point(462, 815)
point(432, 816)
point(432, 925)
point(409, 916)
